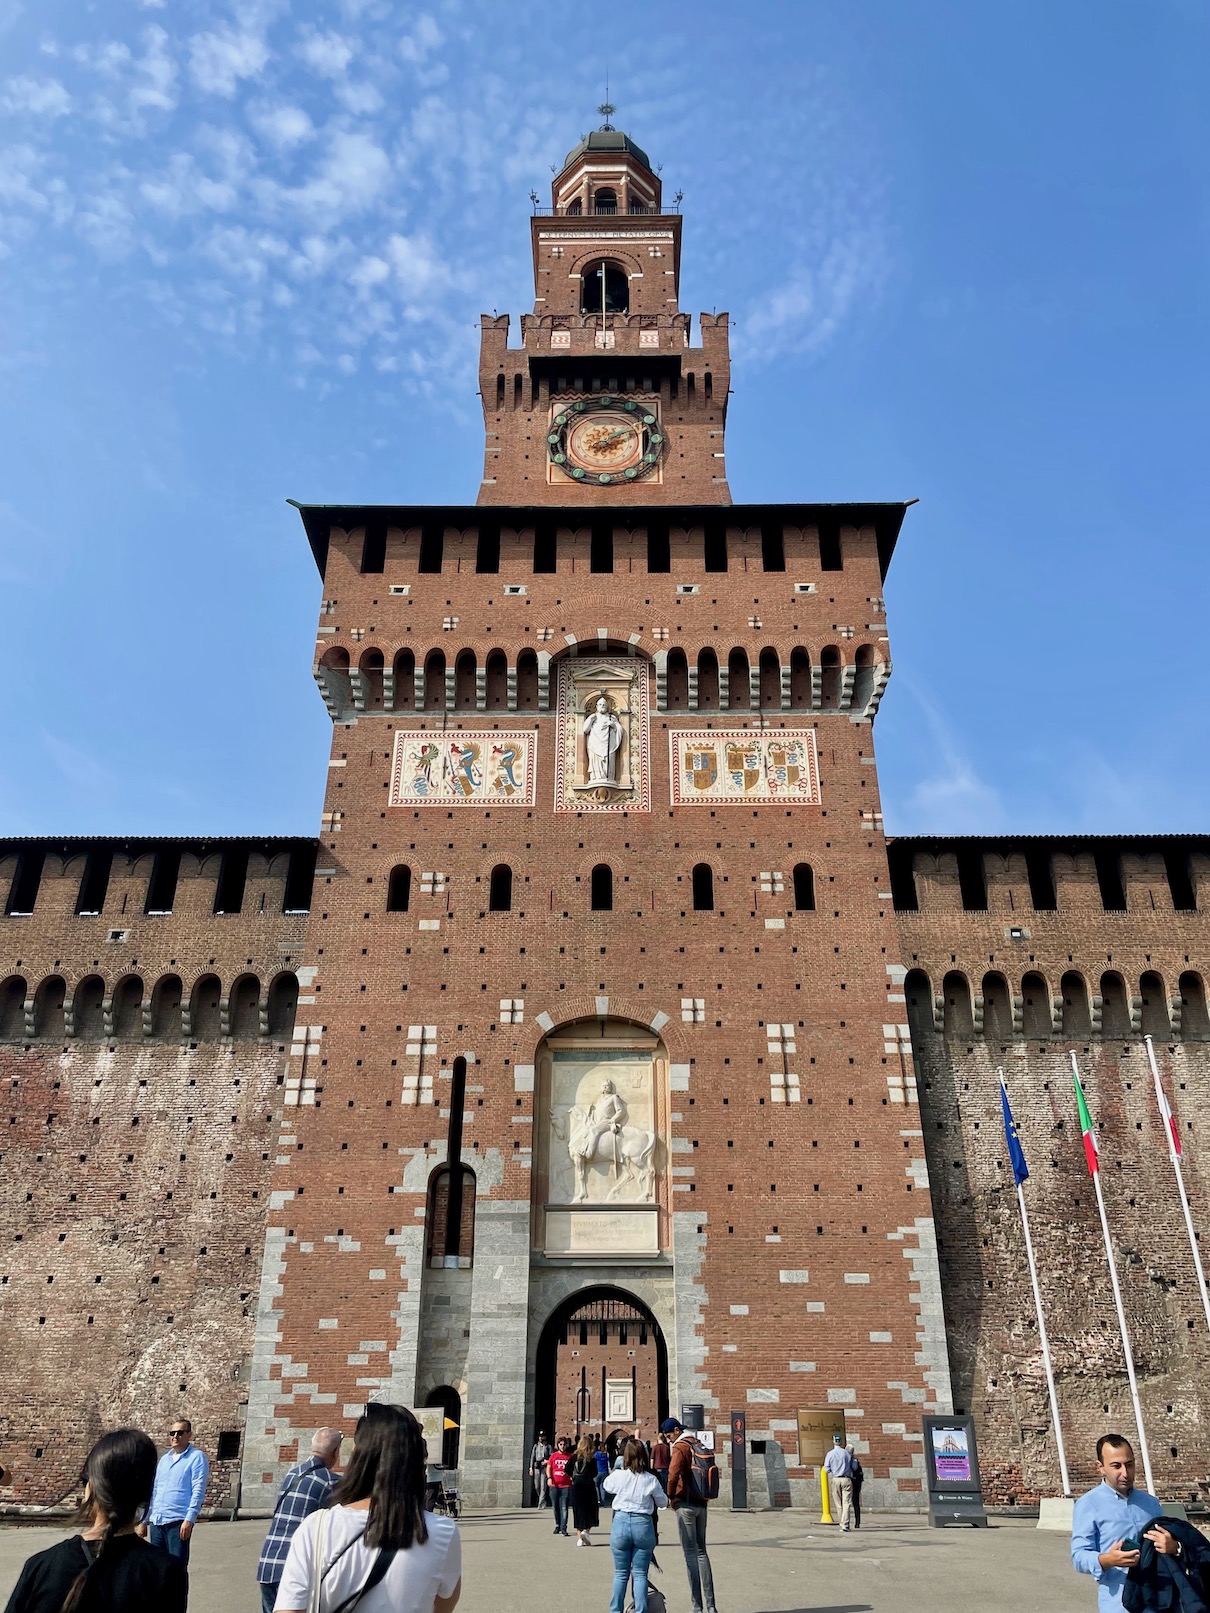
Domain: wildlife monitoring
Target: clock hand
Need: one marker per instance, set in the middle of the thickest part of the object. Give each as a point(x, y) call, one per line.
point(603, 442)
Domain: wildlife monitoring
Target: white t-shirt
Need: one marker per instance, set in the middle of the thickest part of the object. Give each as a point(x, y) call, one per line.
point(414, 1579)
point(635, 1492)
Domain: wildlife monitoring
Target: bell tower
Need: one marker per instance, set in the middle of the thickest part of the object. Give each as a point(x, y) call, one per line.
point(605, 401)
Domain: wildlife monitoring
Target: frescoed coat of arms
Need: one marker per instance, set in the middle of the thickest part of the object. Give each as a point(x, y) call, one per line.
point(754, 766)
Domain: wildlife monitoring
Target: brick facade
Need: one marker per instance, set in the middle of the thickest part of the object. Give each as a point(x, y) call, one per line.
point(824, 1219)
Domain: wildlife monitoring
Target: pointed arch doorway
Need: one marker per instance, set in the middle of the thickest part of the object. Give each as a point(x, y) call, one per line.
point(601, 1366)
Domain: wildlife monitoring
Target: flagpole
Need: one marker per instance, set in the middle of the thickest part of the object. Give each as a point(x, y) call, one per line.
point(1117, 1299)
point(1174, 1155)
point(1050, 1374)
point(1033, 1278)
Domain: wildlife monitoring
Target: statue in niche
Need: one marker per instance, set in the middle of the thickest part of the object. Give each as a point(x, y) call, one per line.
point(599, 1136)
point(602, 736)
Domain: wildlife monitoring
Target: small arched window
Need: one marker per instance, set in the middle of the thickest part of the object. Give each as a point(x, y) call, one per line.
point(606, 289)
point(575, 208)
point(12, 1009)
point(959, 1013)
point(738, 690)
point(602, 888)
point(89, 1005)
point(50, 1008)
point(1155, 1007)
point(465, 680)
point(997, 1008)
point(1195, 1024)
point(703, 888)
point(205, 1010)
point(707, 681)
point(527, 681)
point(804, 888)
point(500, 898)
point(918, 991)
point(166, 1000)
point(829, 662)
point(605, 201)
point(1035, 1007)
point(800, 679)
point(434, 681)
point(128, 1008)
point(399, 889)
point(1077, 1015)
point(677, 685)
point(405, 680)
point(497, 680)
point(283, 1004)
point(1115, 1007)
point(770, 680)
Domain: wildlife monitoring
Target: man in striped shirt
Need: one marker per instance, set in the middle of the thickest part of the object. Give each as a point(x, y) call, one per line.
point(303, 1491)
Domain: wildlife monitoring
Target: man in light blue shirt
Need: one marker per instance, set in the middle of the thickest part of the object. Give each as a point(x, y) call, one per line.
point(1112, 1518)
point(180, 1489)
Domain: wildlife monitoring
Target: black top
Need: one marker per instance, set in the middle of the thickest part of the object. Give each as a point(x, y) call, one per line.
point(131, 1577)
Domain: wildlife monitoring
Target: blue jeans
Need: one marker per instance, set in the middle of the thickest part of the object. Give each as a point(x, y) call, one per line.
point(562, 1499)
point(268, 1595)
point(167, 1536)
point(632, 1541)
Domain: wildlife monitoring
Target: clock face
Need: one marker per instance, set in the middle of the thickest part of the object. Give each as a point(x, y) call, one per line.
point(606, 439)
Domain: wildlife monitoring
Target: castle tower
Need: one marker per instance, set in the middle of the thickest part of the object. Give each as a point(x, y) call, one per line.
point(605, 401)
point(601, 1098)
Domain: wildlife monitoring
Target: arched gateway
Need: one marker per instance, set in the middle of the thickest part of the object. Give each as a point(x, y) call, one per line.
point(601, 1367)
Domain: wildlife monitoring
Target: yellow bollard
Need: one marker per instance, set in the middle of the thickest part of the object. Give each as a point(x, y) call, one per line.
point(826, 1515)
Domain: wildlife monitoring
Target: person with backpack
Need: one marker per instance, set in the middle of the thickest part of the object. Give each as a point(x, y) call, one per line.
point(692, 1485)
point(375, 1548)
point(858, 1476)
point(636, 1495)
point(107, 1568)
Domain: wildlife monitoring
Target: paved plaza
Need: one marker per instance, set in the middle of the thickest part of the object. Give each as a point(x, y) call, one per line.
point(764, 1562)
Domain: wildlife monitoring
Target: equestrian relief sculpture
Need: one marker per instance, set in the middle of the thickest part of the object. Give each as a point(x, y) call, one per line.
point(605, 1150)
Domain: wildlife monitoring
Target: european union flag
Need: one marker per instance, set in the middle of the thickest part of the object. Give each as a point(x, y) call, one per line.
point(1015, 1154)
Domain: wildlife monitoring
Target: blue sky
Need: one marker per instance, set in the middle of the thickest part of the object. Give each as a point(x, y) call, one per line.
point(244, 245)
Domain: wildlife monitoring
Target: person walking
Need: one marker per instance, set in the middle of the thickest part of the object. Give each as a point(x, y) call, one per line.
point(689, 1504)
point(538, 1459)
point(635, 1494)
point(585, 1508)
point(304, 1490)
point(858, 1477)
point(660, 1457)
point(601, 1457)
point(180, 1489)
point(107, 1566)
point(838, 1465)
point(375, 1547)
point(1109, 1522)
point(560, 1483)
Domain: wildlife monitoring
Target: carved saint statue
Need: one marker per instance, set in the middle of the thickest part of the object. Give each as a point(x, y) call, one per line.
point(602, 736)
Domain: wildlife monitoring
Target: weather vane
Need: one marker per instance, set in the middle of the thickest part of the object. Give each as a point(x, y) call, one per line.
point(607, 108)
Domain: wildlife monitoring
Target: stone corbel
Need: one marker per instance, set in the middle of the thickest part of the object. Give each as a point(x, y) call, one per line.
point(938, 1012)
point(224, 1017)
point(816, 688)
point(848, 676)
point(328, 691)
point(148, 1018)
point(1056, 1016)
point(1136, 1015)
point(262, 1014)
point(388, 688)
point(785, 688)
point(1096, 1008)
point(724, 686)
point(511, 682)
point(1018, 1014)
point(107, 1017)
point(481, 688)
point(543, 680)
point(360, 686)
point(692, 686)
point(977, 1012)
point(31, 1018)
point(1175, 1004)
point(882, 676)
point(754, 686)
point(660, 660)
point(451, 687)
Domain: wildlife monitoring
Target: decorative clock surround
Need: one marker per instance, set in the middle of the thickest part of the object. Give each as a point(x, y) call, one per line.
point(606, 439)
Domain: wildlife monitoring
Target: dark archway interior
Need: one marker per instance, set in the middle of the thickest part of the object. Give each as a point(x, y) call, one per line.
point(592, 1311)
point(450, 1402)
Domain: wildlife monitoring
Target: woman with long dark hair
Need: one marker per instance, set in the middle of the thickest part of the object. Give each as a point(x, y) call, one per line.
point(376, 1549)
point(585, 1508)
point(106, 1568)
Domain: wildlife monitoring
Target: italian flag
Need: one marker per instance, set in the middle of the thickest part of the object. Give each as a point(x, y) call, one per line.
point(1091, 1151)
point(1174, 1136)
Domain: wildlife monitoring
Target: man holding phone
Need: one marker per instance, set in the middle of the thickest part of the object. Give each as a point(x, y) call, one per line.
point(1109, 1521)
